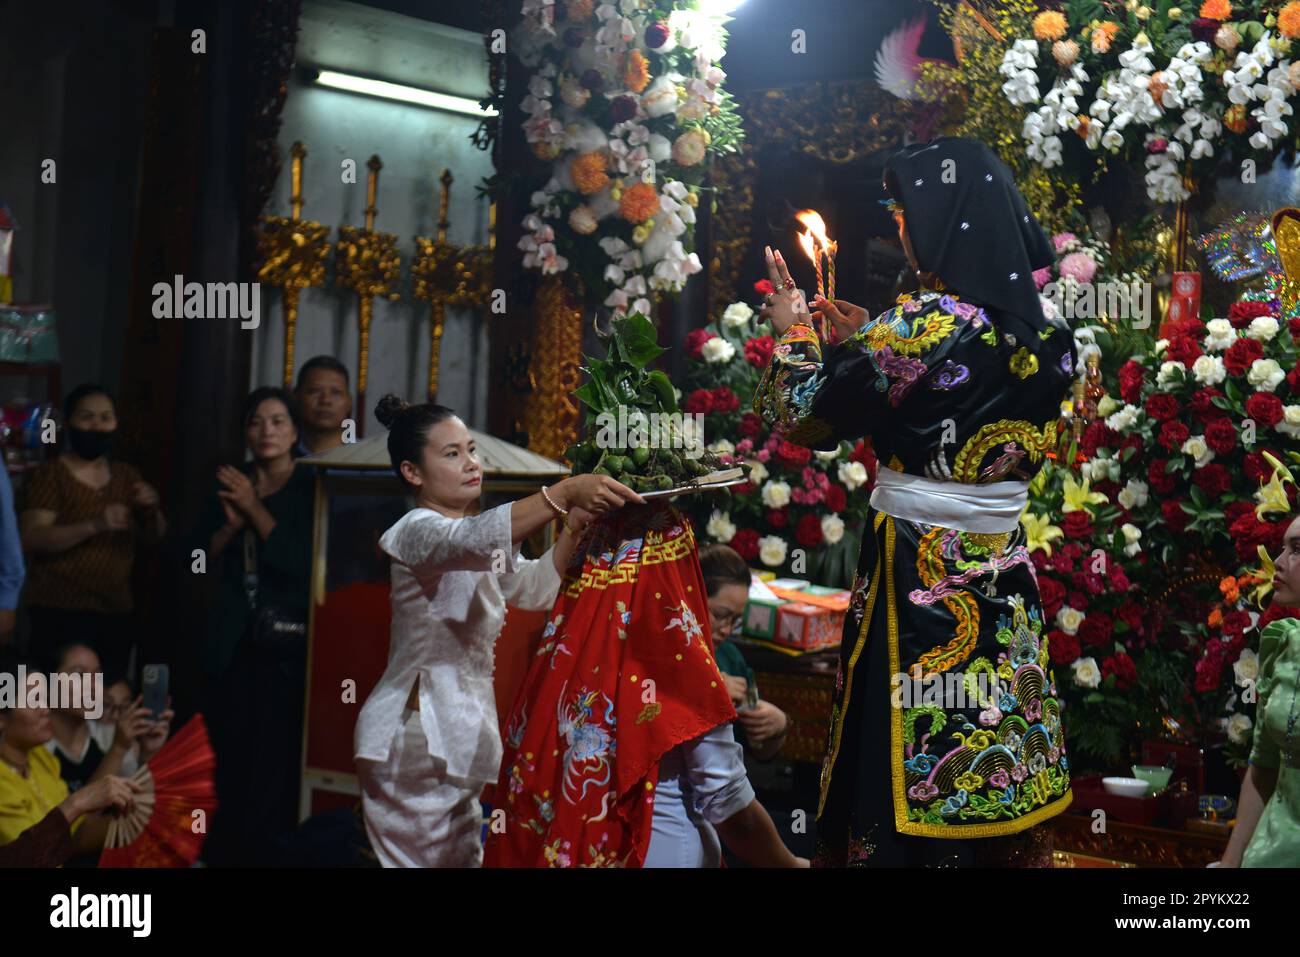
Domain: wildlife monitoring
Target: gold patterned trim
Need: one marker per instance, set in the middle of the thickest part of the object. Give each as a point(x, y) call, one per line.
point(836, 732)
point(650, 553)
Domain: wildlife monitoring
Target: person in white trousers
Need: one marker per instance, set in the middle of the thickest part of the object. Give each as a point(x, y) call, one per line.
point(427, 738)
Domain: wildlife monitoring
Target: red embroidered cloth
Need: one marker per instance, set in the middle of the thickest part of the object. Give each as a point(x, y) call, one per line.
point(624, 673)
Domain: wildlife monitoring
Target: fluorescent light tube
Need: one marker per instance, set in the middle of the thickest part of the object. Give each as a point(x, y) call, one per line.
point(404, 94)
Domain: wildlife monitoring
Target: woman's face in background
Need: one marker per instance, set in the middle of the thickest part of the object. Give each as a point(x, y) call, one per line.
point(270, 432)
point(27, 728)
point(79, 660)
point(725, 609)
point(94, 413)
point(1286, 568)
point(449, 472)
point(116, 698)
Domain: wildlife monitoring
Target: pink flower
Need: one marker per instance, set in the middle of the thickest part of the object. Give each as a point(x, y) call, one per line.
point(1158, 145)
point(1061, 240)
point(764, 455)
point(1079, 266)
point(1042, 276)
point(744, 446)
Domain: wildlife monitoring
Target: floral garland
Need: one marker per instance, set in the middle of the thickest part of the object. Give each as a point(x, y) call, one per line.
point(795, 498)
point(640, 106)
point(1105, 84)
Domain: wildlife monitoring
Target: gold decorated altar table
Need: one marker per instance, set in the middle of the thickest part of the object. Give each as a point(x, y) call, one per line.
point(1075, 844)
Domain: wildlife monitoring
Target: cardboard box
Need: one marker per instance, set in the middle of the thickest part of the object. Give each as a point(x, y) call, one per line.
point(808, 627)
point(761, 618)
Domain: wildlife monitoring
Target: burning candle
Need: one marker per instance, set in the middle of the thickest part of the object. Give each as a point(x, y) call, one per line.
point(809, 246)
point(815, 243)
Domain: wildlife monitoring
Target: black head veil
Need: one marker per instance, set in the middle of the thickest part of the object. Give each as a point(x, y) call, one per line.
point(969, 225)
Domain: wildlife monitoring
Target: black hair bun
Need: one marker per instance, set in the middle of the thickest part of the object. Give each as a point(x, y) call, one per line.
point(389, 408)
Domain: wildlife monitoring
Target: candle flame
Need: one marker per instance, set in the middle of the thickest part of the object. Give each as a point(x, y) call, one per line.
point(806, 244)
point(813, 222)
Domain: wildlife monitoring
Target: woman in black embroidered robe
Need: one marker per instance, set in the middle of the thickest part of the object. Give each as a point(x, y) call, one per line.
point(945, 745)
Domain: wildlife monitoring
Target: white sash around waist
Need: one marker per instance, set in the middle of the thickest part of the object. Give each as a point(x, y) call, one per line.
point(987, 509)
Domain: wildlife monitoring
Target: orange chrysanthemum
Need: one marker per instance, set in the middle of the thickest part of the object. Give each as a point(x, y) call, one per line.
point(636, 72)
point(1229, 589)
point(638, 203)
point(1288, 20)
point(1215, 619)
point(1050, 25)
point(1103, 35)
point(589, 173)
point(1216, 9)
point(1157, 87)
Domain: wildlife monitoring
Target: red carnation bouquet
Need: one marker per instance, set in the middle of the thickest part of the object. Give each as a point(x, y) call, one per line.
point(1183, 454)
point(1113, 676)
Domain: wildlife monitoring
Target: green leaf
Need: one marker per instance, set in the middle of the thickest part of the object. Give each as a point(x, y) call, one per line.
point(637, 340)
point(589, 394)
point(663, 388)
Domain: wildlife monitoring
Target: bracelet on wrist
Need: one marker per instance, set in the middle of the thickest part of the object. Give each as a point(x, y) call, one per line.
point(551, 502)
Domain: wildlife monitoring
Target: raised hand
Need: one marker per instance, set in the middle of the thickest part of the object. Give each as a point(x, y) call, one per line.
point(786, 305)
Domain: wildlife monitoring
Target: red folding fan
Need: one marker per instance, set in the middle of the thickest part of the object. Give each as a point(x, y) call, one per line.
point(177, 781)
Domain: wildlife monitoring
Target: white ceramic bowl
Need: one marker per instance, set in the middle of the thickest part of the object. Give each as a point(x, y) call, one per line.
point(1126, 787)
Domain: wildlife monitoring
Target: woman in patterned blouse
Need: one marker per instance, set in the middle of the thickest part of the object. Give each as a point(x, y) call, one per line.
point(81, 517)
point(945, 745)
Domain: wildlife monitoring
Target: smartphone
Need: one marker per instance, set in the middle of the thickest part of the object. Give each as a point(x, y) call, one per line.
point(154, 689)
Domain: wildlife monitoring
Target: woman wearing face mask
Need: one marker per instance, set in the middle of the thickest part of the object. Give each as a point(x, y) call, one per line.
point(256, 535)
point(427, 739)
point(81, 517)
point(1267, 832)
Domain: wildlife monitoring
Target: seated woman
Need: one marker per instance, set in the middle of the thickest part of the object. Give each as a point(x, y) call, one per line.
point(31, 788)
point(89, 749)
point(763, 727)
point(1267, 832)
point(81, 517)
